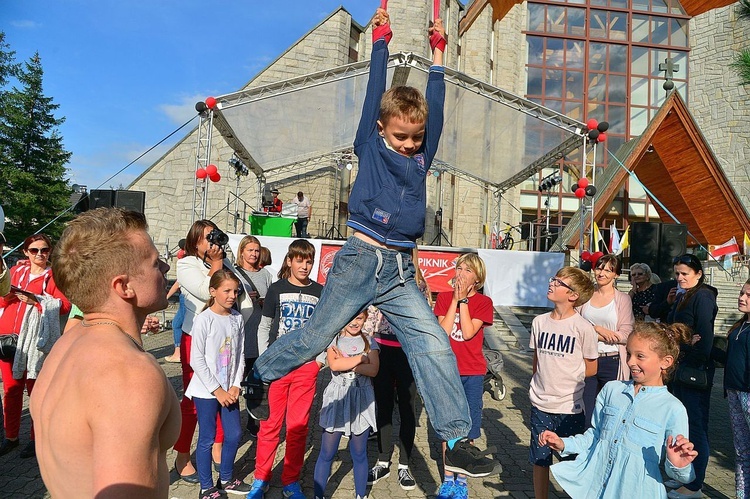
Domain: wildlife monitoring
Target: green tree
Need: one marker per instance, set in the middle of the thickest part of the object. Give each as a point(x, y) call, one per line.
point(33, 189)
point(741, 63)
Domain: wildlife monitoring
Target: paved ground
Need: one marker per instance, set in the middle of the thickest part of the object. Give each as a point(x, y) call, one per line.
point(504, 427)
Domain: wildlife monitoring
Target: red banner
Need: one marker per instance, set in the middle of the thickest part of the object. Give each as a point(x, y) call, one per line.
point(437, 266)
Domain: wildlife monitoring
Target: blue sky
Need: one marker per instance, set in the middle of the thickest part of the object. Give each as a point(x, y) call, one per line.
point(128, 73)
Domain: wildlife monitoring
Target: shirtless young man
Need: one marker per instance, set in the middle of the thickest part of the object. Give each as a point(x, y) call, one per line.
point(104, 411)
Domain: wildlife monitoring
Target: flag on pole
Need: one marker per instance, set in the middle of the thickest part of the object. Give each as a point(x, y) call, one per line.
point(727, 249)
point(614, 240)
point(625, 241)
point(598, 238)
point(747, 244)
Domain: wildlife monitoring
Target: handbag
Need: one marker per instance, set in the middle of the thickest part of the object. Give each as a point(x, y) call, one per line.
point(693, 376)
point(8, 343)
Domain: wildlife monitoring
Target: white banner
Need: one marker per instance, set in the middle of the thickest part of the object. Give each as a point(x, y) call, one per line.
point(519, 278)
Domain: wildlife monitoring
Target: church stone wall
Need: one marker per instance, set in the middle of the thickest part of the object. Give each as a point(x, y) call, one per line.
point(720, 106)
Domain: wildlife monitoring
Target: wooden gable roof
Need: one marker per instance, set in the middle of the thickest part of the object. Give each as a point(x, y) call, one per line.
point(673, 161)
point(501, 7)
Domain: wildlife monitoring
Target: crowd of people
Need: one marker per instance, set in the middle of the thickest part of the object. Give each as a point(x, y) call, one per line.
point(620, 388)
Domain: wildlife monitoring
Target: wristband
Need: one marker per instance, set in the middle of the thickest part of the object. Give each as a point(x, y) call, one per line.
point(437, 41)
point(382, 31)
point(463, 300)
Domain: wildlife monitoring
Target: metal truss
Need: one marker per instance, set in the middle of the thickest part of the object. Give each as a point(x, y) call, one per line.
point(202, 159)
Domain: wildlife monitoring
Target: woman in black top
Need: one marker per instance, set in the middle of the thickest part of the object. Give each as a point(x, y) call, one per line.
point(643, 289)
point(694, 303)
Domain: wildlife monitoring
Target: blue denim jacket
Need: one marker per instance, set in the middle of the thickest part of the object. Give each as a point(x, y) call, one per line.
point(388, 198)
point(620, 455)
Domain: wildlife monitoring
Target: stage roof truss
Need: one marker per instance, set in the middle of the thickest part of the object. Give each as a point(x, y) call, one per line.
point(489, 135)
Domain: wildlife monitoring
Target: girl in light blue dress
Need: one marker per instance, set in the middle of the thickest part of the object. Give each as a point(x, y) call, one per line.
point(636, 426)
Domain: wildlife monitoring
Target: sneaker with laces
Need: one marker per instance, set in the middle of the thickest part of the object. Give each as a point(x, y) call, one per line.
point(293, 491)
point(445, 491)
point(235, 486)
point(406, 480)
point(466, 459)
point(258, 489)
point(256, 397)
point(378, 472)
point(212, 493)
point(460, 490)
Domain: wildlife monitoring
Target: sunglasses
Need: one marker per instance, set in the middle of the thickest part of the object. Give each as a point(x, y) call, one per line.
point(685, 259)
point(34, 251)
point(636, 274)
point(556, 281)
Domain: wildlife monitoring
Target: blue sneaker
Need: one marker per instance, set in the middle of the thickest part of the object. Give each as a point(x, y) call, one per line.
point(460, 490)
point(293, 491)
point(258, 489)
point(446, 490)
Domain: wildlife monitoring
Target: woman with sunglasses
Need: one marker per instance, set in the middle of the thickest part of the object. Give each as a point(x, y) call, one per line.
point(34, 287)
point(642, 293)
point(693, 303)
point(610, 311)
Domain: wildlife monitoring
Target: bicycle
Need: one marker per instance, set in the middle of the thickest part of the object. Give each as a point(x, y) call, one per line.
point(506, 237)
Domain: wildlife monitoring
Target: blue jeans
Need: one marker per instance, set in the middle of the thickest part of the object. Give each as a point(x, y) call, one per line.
point(474, 390)
point(178, 320)
point(301, 226)
point(230, 421)
point(363, 274)
point(607, 370)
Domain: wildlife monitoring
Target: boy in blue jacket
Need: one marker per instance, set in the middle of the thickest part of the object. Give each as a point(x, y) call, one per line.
point(396, 142)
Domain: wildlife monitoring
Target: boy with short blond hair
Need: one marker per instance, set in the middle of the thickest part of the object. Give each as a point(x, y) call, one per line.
point(396, 142)
point(565, 352)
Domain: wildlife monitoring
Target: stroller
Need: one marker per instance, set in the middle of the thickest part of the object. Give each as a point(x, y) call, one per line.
point(493, 380)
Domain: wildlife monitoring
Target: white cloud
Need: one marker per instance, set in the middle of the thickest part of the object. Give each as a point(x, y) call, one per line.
point(183, 111)
point(26, 24)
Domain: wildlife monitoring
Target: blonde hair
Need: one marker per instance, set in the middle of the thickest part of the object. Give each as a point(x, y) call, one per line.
point(96, 246)
point(419, 278)
point(217, 278)
point(476, 264)
point(579, 281)
point(665, 339)
point(244, 242)
point(403, 102)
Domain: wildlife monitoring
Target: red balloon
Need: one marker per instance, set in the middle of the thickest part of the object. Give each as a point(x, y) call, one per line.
point(211, 103)
point(585, 256)
point(602, 137)
point(180, 253)
point(580, 192)
point(211, 170)
point(590, 124)
point(200, 173)
point(215, 177)
point(583, 182)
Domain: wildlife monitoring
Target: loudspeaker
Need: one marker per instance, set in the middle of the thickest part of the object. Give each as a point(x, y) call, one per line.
point(672, 243)
point(130, 200)
point(645, 238)
point(101, 199)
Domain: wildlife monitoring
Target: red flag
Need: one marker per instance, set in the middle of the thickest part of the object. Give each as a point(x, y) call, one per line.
point(728, 248)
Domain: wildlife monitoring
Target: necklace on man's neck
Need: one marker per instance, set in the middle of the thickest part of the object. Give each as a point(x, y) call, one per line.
point(102, 323)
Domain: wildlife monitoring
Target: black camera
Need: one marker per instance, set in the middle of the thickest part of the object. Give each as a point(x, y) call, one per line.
point(217, 237)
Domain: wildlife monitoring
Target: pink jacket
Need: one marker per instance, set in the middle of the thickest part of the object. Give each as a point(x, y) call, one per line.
point(625, 321)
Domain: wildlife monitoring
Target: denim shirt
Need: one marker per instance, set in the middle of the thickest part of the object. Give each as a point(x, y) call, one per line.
point(388, 199)
point(620, 455)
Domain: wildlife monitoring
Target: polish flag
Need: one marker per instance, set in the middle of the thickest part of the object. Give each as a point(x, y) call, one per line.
point(728, 248)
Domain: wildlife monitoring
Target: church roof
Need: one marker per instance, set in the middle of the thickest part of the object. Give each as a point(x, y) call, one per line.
point(675, 163)
point(501, 7)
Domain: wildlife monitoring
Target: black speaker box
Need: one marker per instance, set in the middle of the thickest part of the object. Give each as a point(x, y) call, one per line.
point(644, 243)
point(672, 243)
point(131, 200)
point(101, 199)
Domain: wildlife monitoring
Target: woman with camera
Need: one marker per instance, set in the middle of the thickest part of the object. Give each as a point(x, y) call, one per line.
point(33, 287)
point(204, 255)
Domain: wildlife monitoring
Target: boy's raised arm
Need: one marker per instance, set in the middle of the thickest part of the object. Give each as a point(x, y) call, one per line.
point(381, 35)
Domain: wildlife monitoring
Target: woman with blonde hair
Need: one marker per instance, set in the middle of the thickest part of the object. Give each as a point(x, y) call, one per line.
point(642, 292)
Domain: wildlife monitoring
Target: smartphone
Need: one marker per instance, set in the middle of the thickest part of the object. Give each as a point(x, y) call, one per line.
point(14, 289)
